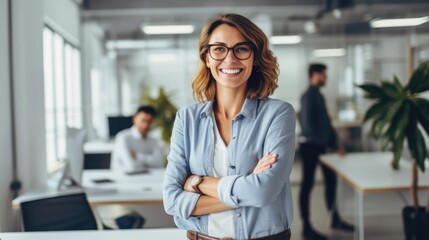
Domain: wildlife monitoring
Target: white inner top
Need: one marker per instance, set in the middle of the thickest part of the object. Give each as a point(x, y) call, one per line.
point(221, 224)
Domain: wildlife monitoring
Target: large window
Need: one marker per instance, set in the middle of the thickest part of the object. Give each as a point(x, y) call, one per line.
point(62, 81)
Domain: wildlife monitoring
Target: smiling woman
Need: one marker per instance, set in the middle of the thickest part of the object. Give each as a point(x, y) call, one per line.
point(231, 155)
point(264, 72)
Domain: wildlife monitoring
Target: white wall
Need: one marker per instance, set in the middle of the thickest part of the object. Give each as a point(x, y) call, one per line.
point(391, 57)
point(174, 74)
point(293, 78)
point(5, 124)
point(28, 90)
point(28, 22)
point(63, 17)
point(95, 74)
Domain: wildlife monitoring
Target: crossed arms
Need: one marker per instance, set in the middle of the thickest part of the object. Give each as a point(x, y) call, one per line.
point(257, 189)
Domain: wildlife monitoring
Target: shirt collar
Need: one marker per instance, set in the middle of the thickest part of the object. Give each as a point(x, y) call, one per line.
point(248, 110)
point(135, 132)
point(314, 87)
point(206, 109)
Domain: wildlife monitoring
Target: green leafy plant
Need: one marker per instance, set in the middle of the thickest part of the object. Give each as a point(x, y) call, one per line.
point(398, 111)
point(166, 113)
point(396, 115)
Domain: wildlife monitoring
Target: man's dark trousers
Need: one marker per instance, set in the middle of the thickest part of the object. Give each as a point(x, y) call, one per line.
point(310, 154)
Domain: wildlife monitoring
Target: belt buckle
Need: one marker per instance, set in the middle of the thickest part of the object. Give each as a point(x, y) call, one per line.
point(226, 238)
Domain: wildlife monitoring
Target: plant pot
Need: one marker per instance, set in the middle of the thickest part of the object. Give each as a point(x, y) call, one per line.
point(416, 223)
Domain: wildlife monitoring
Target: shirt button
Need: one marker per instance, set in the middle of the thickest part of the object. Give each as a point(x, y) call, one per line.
point(232, 167)
point(238, 215)
point(233, 137)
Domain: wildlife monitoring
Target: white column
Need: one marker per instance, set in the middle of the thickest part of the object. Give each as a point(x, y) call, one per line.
point(27, 20)
point(5, 123)
point(91, 52)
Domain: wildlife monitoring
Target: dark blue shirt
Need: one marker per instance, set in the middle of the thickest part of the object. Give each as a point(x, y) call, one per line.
point(314, 119)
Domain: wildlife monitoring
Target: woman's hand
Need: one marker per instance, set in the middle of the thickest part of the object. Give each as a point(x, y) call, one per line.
point(265, 163)
point(187, 187)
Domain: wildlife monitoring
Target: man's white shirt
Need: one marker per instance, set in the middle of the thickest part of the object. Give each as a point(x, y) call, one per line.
point(148, 152)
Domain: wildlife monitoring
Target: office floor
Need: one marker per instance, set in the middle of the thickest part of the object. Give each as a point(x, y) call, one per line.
point(386, 227)
point(376, 228)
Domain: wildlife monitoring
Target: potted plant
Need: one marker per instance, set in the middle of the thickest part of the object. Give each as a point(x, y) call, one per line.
point(166, 112)
point(396, 115)
point(166, 115)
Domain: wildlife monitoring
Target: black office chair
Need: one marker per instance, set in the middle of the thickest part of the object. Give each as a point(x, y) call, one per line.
point(65, 212)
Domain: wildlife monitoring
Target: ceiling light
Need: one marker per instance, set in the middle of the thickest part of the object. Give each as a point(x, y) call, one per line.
point(168, 29)
point(337, 13)
point(136, 44)
point(125, 44)
point(162, 57)
point(398, 22)
point(329, 52)
point(310, 27)
point(291, 39)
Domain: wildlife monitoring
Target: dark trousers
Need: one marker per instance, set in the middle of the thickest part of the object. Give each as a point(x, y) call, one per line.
point(310, 158)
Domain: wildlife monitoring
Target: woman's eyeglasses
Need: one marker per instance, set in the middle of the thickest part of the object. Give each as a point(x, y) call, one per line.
point(241, 51)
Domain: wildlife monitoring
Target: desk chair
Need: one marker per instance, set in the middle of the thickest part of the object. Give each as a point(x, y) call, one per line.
point(131, 220)
point(65, 212)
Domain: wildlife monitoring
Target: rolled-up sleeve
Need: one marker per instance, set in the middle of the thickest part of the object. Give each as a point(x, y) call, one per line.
point(178, 202)
point(258, 190)
point(224, 191)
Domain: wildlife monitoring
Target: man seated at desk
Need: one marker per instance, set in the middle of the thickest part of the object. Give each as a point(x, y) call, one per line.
point(134, 150)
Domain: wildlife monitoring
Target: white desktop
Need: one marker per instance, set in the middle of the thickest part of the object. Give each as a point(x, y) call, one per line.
point(115, 188)
point(161, 233)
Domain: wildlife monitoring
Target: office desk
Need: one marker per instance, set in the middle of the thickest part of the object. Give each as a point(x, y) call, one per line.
point(371, 172)
point(125, 189)
point(141, 234)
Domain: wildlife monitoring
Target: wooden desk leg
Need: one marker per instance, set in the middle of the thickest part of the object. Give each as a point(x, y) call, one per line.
point(359, 216)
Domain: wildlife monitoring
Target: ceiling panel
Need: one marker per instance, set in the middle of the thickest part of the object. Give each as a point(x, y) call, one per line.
point(122, 19)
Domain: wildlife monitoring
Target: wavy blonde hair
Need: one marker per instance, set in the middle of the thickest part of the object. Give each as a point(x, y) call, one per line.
point(264, 77)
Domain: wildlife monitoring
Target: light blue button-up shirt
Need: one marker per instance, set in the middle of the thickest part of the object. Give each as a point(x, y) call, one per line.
point(262, 202)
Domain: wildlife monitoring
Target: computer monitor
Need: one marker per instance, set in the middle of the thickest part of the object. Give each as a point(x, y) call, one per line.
point(71, 173)
point(118, 123)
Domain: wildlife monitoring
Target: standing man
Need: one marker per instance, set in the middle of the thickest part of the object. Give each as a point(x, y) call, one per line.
point(134, 150)
point(317, 136)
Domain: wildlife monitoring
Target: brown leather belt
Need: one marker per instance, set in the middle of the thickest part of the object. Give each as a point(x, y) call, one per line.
point(285, 235)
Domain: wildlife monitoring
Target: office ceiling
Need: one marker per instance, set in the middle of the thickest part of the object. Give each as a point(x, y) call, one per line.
point(122, 19)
